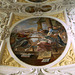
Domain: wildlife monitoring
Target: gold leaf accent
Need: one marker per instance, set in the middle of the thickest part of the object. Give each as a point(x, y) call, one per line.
point(8, 60)
point(68, 59)
point(17, 18)
point(22, 1)
point(60, 16)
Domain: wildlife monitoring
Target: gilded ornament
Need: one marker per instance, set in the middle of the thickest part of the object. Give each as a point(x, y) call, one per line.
point(17, 18)
point(24, 1)
point(60, 16)
point(8, 60)
point(68, 59)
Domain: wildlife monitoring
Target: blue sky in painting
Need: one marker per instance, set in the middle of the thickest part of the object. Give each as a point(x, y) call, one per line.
point(26, 24)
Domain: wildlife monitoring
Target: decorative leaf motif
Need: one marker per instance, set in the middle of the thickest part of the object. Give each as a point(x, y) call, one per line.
point(8, 60)
point(43, 72)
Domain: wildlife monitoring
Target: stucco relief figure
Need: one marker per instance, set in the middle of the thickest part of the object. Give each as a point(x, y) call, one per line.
point(38, 41)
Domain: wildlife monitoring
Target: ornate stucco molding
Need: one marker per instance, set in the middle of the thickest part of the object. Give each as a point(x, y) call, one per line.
point(4, 29)
point(37, 71)
point(71, 25)
point(16, 7)
point(42, 72)
point(11, 6)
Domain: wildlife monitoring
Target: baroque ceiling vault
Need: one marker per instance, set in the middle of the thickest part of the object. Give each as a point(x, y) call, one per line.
point(13, 12)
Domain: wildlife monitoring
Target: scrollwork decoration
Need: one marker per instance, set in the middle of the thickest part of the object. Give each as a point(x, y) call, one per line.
point(71, 26)
point(39, 71)
point(16, 7)
point(20, 8)
point(4, 29)
point(5, 32)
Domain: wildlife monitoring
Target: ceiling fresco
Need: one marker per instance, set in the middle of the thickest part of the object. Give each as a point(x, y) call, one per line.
point(38, 41)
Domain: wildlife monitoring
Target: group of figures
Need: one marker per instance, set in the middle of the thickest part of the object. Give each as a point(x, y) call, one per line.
point(39, 41)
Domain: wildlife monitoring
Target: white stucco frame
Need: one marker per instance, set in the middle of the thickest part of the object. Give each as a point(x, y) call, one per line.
point(58, 5)
point(45, 66)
